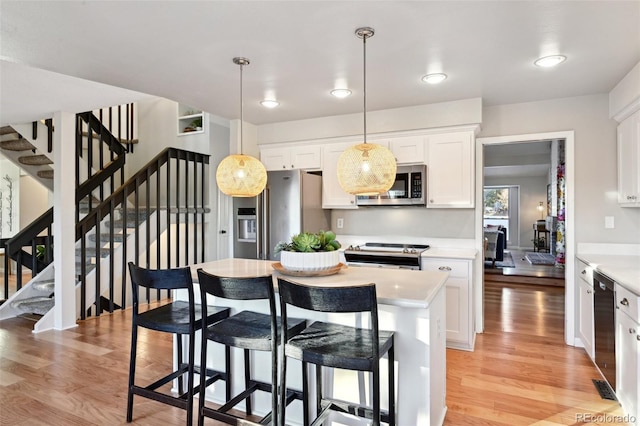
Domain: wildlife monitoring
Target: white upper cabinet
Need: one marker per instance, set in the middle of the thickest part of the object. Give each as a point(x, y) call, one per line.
point(306, 157)
point(333, 196)
point(408, 150)
point(450, 170)
point(629, 161)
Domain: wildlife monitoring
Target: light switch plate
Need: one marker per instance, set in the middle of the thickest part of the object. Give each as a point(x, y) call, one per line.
point(340, 223)
point(609, 222)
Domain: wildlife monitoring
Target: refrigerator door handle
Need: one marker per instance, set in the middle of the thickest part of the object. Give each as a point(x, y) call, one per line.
point(266, 208)
point(263, 225)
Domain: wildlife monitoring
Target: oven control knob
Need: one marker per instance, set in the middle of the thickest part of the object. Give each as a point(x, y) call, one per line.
point(413, 251)
point(405, 250)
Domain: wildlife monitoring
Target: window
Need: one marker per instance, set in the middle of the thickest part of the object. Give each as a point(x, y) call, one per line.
point(501, 208)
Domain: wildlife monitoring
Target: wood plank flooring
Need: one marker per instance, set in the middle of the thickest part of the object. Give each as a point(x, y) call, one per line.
point(521, 372)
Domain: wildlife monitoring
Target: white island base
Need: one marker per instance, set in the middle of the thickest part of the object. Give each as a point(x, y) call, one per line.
point(410, 303)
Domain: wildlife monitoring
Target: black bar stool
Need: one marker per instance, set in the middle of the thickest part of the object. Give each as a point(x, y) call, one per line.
point(247, 330)
point(337, 346)
point(180, 318)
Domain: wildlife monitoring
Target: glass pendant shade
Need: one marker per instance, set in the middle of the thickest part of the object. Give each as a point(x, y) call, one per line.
point(366, 169)
point(240, 175)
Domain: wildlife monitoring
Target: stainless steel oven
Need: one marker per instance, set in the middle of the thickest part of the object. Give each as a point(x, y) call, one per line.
point(408, 189)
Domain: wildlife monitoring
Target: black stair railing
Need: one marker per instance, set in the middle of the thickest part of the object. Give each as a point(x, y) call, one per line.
point(103, 168)
point(170, 189)
point(37, 233)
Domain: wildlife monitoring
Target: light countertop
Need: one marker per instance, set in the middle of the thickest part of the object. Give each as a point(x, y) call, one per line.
point(399, 287)
point(451, 253)
point(623, 269)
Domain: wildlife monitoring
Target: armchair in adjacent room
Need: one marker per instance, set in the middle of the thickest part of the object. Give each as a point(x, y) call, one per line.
point(496, 243)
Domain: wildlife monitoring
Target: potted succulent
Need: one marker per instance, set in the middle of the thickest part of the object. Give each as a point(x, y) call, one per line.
point(308, 251)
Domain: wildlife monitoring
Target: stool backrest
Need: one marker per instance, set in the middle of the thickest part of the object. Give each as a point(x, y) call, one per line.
point(236, 288)
point(350, 299)
point(160, 279)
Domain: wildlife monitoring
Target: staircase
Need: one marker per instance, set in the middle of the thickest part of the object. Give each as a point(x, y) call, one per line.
point(21, 151)
point(155, 219)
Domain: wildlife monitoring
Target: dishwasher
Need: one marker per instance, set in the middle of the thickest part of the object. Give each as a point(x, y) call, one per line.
point(605, 326)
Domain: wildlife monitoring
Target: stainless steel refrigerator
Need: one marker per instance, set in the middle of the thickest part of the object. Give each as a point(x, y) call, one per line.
point(291, 203)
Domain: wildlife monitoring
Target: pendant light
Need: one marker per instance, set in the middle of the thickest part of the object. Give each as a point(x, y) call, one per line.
point(240, 175)
point(366, 168)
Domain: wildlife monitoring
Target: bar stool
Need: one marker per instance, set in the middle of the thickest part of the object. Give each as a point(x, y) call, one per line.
point(180, 318)
point(248, 330)
point(338, 346)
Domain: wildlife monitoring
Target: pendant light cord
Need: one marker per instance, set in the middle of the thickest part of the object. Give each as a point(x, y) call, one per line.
point(241, 107)
point(364, 62)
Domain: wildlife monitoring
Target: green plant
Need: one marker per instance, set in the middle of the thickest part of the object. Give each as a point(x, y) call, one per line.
point(308, 242)
point(197, 122)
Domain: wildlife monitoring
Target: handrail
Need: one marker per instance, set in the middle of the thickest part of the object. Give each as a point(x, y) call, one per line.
point(29, 237)
point(135, 214)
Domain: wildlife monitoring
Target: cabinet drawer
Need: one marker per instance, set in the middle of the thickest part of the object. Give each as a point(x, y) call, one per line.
point(585, 272)
point(455, 268)
point(628, 302)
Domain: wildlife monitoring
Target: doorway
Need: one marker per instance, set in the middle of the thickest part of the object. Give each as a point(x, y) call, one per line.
point(569, 273)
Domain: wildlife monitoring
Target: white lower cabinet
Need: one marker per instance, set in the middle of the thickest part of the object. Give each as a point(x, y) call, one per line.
point(585, 306)
point(460, 312)
point(628, 353)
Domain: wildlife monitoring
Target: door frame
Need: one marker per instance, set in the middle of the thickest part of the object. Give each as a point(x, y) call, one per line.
point(569, 272)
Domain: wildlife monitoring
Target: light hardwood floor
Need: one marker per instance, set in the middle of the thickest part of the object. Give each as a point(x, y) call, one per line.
point(521, 372)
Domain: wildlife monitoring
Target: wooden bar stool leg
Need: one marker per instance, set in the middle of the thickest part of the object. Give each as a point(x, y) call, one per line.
point(376, 393)
point(203, 379)
point(132, 372)
point(247, 378)
point(392, 387)
point(227, 365)
point(191, 377)
point(178, 339)
point(318, 389)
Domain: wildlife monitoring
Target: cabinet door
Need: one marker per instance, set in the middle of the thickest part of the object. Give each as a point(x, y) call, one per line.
point(408, 150)
point(460, 312)
point(450, 170)
point(333, 196)
point(306, 158)
point(457, 311)
point(629, 161)
point(585, 303)
point(275, 158)
point(627, 360)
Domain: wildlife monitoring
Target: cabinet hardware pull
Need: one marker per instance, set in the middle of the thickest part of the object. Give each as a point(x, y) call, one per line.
point(624, 302)
point(632, 331)
point(584, 271)
point(444, 268)
point(638, 337)
point(588, 291)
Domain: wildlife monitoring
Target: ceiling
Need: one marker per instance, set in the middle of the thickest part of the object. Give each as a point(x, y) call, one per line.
point(299, 51)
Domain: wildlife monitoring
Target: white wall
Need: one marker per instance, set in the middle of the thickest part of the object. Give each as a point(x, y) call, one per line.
point(35, 199)
point(595, 158)
point(10, 198)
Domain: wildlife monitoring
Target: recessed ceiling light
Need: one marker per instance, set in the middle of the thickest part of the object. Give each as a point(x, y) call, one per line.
point(269, 103)
point(434, 78)
point(550, 61)
point(341, 93)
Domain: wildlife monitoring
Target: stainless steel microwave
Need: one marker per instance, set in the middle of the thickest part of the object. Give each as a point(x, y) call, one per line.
point(408, 189)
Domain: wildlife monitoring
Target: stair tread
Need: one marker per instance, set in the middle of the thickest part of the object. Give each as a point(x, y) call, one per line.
point(16, 145)
point(106, 237)
point(45, 174)
point(35, 305)
point(35, 160)
point(6, 130)
point(44, 285)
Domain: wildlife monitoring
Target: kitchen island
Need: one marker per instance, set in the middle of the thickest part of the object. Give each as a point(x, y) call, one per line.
point(411, 303)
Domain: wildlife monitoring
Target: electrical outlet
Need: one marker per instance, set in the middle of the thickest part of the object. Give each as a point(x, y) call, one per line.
point(340, 223)
point(609, 222)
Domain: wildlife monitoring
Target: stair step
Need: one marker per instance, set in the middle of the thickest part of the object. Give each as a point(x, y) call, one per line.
point(34, 160)
point(45, 174)
point(105, 237)
point(91, 252)
point(17, 145)
point(34, 305)
point(47, 286)
point(5, 130)
point(90, 267)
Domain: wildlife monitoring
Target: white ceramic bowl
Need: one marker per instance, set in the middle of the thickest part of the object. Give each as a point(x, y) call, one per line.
point(317, 261)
